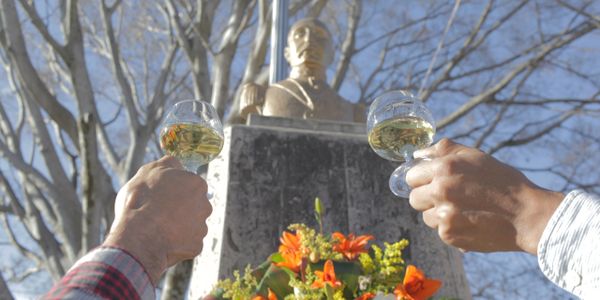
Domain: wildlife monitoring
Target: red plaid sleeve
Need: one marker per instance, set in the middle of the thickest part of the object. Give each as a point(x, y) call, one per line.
point(104, 273)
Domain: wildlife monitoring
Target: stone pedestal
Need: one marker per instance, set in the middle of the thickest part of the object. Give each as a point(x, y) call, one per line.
point(268, 176)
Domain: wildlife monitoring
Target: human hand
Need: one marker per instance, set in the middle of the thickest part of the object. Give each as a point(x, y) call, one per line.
point(478, 203)
point(160, 216)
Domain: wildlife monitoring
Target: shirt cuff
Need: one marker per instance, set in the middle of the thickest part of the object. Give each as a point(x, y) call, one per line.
point(126, 264)
point(566, 245)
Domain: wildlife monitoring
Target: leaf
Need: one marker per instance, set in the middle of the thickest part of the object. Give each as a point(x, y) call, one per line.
point(329, 292)
point(277, 279)
point(260, 271)
point(318, 206)
point(277, 258)
point(218, 293)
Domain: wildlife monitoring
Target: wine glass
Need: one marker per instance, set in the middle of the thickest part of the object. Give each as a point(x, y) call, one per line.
point(192, 133)
point(398, 124)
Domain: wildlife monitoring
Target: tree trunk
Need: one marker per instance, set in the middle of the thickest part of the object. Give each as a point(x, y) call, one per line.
point(4, 291)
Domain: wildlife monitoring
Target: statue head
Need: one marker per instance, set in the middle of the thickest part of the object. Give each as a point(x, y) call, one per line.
point(309, 43)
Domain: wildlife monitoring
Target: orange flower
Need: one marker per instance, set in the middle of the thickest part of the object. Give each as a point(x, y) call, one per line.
point(271, 296)
point(416, 286)
point(366, 296)
point(290, 251)
point(350, 247)
point(289, 242)
point(291, 260)
point(327, 276)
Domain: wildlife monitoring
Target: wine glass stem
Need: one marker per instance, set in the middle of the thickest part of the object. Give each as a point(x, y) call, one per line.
point(198, 169)
point(408, 157)
point(191, 166)
point(408, 154)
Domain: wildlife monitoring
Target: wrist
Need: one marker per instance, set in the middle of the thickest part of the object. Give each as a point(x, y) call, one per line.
point(150, 256)
point(538, 207)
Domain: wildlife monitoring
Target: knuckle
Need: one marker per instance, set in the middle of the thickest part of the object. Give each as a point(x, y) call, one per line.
point(444, 145)
point(201, 184)
point(171, 161)
point(413, 201)
point(428, 221)
point(449, 215)
point(429, 218)
point(197, 250)
point(448, 166)
point(147, 167)
point(441, 190)
point(207, 210)
point(446, 235)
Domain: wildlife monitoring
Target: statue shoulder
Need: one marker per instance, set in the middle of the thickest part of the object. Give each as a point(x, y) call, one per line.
point(360, 112)
point(252, 98)
point(285, 84)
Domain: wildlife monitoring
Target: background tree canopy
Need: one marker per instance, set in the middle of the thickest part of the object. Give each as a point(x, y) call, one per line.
point(84, 85)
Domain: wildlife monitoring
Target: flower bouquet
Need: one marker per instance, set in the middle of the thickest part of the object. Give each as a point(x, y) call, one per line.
point(311, 265)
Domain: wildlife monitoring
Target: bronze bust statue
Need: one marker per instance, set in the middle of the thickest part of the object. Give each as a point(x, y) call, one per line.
point(305, 93)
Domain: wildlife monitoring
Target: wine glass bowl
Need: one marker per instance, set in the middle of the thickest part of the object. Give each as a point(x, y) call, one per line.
point(193, 133)
point(398, 124)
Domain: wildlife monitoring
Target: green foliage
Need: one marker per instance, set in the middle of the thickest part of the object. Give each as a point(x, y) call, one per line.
point(382, 268)
point(319, 211)
point(240, 288)
point(277, 279)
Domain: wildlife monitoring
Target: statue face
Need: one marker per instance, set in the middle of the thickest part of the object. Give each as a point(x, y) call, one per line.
point(309, 42)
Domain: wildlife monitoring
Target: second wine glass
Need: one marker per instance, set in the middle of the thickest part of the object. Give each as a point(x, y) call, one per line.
point(193, 133)
point(398, 124)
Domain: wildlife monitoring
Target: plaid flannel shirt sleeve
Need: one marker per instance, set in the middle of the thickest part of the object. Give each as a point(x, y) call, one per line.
point(104, 273)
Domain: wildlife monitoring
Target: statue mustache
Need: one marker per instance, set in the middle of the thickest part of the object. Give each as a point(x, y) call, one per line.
point(309, 47)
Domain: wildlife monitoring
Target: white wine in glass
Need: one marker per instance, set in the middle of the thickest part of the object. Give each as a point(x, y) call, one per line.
point(192, 132)
point(392, 138)
point(194, 144)
point(398, 124)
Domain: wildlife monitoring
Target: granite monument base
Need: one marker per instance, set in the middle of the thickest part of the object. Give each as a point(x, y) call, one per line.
point(268, 176)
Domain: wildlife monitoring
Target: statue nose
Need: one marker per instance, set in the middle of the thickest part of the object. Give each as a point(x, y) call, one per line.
point(307, 36)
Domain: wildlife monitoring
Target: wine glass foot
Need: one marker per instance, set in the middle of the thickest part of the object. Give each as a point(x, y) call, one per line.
point(398, 184)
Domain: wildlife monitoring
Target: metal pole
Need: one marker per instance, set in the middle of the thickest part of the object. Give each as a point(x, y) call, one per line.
point(278, 40)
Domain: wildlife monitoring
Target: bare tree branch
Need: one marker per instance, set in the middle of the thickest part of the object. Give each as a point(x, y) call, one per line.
point(594, 19)
point(126, 86)
point(545, 50)
point(42, 28)
point(14, 46)
point(348, 46)
point(239, 17)
point(516, 140)
point(503, 110)
point(470, 44)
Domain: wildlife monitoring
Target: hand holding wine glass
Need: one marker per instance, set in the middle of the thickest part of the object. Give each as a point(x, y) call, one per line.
point(192, 132)
point(398, 124)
